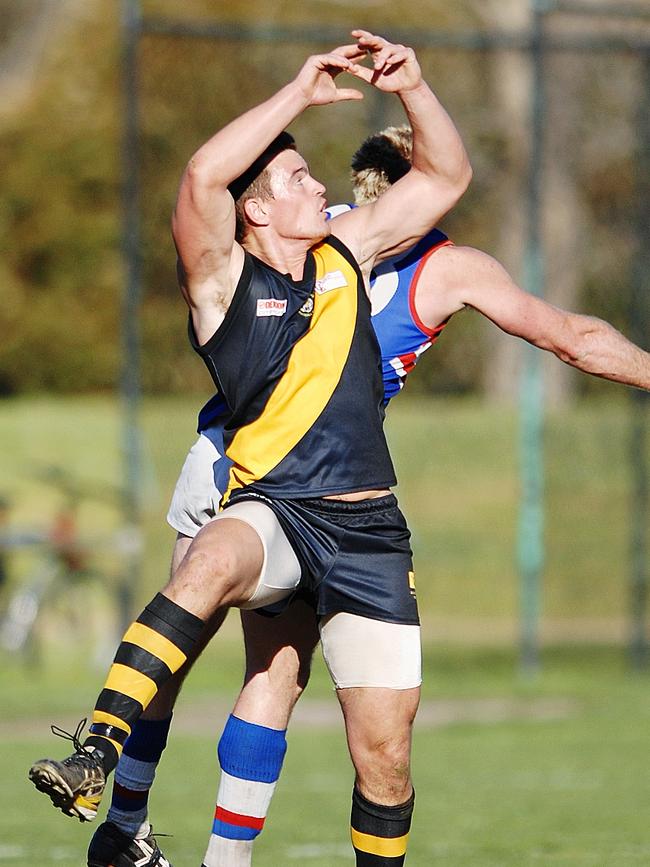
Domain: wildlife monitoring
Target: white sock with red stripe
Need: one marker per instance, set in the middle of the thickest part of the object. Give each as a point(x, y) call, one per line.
point(251, 758)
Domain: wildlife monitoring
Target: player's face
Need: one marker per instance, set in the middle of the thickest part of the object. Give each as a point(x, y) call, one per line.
point(297, 209)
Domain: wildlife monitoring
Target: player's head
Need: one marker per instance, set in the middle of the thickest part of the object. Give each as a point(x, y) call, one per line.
point(256, 180)
point(381, 160)
point(278, 190)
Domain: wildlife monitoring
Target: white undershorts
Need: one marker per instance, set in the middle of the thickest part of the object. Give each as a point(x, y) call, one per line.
point(359, 651)
point(280, 573)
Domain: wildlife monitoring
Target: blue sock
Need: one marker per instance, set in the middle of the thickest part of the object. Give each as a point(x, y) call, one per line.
point(135, 774)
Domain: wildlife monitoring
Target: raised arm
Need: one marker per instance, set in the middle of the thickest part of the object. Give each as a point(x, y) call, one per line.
point(440, 171)
point(455, 277)
point(203, 223)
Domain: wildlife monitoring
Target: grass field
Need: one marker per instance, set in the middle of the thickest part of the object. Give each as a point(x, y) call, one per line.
point(459, 487)
point(508, 771)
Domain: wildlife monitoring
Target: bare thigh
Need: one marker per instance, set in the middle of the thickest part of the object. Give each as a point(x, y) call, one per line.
point(221, 568)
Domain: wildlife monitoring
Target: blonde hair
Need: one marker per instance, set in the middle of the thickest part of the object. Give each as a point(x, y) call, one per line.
point(381, 160)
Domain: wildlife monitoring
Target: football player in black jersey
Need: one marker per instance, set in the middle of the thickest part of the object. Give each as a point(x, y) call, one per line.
point(308, 499)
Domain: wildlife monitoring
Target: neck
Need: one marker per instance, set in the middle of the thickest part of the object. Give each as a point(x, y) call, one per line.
point(287, 256)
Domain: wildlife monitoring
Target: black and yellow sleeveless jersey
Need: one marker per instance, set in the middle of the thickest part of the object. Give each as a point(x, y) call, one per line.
point(298, 365)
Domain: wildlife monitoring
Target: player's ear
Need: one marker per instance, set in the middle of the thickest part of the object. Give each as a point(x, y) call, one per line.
point(256, 211)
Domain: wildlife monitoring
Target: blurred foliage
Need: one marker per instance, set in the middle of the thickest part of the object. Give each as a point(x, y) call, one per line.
point(60, 208)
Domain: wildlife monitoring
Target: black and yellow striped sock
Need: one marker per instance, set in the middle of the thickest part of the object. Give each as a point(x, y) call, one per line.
point(153, 648)
point(379, 833)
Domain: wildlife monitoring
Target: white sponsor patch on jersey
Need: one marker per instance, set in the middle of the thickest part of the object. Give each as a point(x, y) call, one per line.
point(271, 307)
point(329, 281)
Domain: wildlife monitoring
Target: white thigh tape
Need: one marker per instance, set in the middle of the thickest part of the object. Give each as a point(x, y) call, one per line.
point(359, 651)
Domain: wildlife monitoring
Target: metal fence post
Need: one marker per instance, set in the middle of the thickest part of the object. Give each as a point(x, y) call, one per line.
point(130, 386)
point(530, 540)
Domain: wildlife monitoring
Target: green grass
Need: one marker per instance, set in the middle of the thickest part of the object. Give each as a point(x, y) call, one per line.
point(494, 788)
point(459, 487)
point(565, 789)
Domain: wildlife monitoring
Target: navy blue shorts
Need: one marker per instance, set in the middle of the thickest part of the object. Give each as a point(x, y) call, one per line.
point(354, 556)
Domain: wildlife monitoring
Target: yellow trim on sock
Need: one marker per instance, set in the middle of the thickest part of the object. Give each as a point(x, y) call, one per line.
point(100, 716)
point(130, 682)
point(386, 847)
point(118, 746)
point(152, 641)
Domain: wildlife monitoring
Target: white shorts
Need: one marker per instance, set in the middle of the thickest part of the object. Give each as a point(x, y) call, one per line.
point(195, 500)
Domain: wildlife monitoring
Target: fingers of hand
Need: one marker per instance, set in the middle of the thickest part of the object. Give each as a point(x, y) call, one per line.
point(364, 73)
point(338, 61)
point(392, 56)
point(365, 35)
point(370, 42)
point(348, 93)
point(384, 53)
point(352, 52)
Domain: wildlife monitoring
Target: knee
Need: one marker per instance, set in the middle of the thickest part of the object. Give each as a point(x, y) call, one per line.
point(303, 662)
point(281, 650)
point(392, 752)
point(383, 767)
point(164, 700)
point(181, 547)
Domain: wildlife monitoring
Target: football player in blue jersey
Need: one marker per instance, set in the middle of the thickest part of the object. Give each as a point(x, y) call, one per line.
point(280, 314)
point(413, 295)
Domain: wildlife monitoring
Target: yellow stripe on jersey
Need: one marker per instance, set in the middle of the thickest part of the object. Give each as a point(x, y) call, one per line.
point(130, 682)
point(152, 641)
point(313, 372)
point(383, 847)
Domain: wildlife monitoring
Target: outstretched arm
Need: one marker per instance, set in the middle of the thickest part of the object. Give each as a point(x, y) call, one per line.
point(455, 277)
point(203, 223)
point(440, 171)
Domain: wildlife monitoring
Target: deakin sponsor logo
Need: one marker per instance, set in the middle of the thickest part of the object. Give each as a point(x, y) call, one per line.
point(271, 307)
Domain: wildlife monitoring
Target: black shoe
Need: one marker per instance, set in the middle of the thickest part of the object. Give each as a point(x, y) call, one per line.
point(76, 784)
point(111, 847)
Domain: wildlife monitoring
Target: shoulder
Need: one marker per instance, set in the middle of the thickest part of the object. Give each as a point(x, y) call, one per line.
point(444, 272)
point(455, 263)
point(456, 277)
